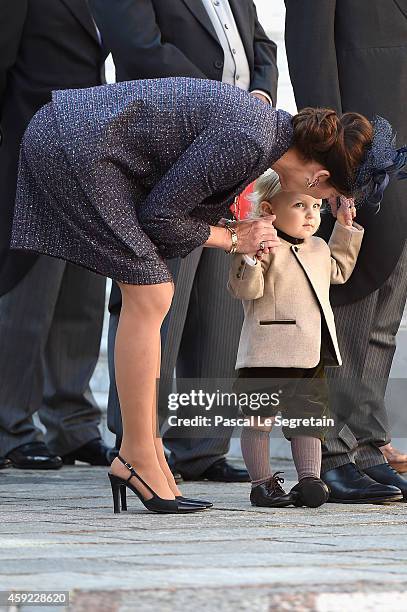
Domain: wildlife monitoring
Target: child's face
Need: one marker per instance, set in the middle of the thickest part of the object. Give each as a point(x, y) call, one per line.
point(297, 214)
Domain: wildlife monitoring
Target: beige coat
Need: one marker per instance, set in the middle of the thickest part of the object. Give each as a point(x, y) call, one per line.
point(283, 298)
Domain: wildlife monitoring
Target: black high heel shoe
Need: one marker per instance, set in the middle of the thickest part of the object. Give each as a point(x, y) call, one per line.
point(195, 502)
point(155, 504)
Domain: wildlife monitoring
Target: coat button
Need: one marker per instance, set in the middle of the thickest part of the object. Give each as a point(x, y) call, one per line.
point(237, 275)
point(218, 64)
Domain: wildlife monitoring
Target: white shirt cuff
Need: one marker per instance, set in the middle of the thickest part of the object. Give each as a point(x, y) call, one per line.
point(251, 261)
point(263, 93)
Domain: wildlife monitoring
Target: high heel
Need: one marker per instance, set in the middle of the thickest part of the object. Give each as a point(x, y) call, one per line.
point(155, 504)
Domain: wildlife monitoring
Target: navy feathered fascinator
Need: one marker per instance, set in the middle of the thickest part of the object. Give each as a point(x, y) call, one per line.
point(382, 163)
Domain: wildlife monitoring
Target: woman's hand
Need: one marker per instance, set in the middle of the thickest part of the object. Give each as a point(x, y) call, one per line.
point(343, 209)
point(252, 235)
point(257, 236)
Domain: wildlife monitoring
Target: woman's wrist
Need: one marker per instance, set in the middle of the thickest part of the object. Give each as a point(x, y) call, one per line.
point(233, 236)
point(219, 238)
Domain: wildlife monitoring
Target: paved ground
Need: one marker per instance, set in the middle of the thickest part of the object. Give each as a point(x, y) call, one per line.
point(58, 532)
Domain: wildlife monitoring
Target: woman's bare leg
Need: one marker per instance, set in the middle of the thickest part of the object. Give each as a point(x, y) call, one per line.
point(136, 357)
point(159, 448)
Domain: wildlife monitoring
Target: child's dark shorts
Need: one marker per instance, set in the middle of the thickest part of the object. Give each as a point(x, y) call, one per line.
point(301, 394)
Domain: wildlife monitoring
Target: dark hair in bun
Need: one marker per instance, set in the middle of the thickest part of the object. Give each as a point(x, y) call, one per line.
point(337, 143)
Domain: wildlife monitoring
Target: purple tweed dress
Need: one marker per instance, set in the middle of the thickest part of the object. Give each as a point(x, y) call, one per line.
point(119, 177)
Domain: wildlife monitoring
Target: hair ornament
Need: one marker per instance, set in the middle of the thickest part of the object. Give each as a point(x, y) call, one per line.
point(383, 162)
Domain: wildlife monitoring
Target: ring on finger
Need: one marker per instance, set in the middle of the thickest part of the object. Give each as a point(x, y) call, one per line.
point(262, 246)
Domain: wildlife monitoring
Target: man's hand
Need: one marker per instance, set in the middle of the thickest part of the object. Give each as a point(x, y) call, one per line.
point(261, 97)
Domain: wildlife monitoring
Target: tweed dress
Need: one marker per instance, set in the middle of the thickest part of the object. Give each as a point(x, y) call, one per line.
point(119, 177)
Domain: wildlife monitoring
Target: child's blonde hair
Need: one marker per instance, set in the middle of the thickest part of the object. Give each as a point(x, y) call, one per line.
point(265, 188)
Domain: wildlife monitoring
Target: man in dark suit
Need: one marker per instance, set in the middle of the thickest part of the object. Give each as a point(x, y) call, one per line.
point(220, 40)
point(351, 55)
point(51, 312)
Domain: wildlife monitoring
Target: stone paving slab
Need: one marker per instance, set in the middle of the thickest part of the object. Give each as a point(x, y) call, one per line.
point(58, 531)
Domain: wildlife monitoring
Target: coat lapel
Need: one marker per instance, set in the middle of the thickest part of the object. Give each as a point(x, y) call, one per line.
point(402, 4)
point(80, 10)
point(315, 279)
point(199, 11)
point(301, 254)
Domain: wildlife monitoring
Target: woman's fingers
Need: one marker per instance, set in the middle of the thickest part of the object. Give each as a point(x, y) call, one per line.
point(257, 235)
point(333, 203)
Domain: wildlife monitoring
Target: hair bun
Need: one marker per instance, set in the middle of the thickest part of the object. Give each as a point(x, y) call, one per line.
point(316, 129)
point(338, 144)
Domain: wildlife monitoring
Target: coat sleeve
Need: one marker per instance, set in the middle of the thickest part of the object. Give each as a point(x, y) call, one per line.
point(265, 73)
point(246, 282)
point(311, 53)
point(12, 19)
point(212, 164)
point(130, 31)
point(345, 243)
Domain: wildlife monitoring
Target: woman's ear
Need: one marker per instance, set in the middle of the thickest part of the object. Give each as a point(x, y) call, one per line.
point(266, 208)
point(320, 176)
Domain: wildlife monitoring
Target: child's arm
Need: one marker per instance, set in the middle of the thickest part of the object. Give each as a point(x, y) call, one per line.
point(246, 281)
point(345, 243)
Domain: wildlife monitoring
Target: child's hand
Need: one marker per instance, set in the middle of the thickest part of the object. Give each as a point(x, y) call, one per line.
point(345, 212)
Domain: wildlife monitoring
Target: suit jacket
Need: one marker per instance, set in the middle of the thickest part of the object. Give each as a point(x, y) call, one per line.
point(161, 38)
point(44, 45)
point(284, 297)
point(363, 46)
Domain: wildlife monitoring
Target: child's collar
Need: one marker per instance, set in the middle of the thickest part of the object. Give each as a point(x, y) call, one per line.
point(288, 238)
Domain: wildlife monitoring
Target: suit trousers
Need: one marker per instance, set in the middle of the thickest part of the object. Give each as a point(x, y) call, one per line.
point(200, 337)
point(50, 329)
point(367, 338)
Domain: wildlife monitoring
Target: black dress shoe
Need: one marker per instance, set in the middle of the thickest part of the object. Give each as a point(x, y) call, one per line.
point(177, 476)
point(222, 471)
point(271, 494)
point(387, 475)
point(34, 456)
point(312, 492)
point(349, 485)
point(94, 452)
point(4, 462)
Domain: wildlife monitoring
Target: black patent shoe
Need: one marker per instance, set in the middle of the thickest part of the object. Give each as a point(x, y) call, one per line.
point(94, 452)
point(34, 456)
point(312, 492)
point(176, 475)
point(195, 502)
point(222, 471)
point(155, 504)
point(270, 494)
point(386, 475)
point(349, 485)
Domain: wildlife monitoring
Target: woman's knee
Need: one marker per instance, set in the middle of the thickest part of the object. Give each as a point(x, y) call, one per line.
point(148, 300)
